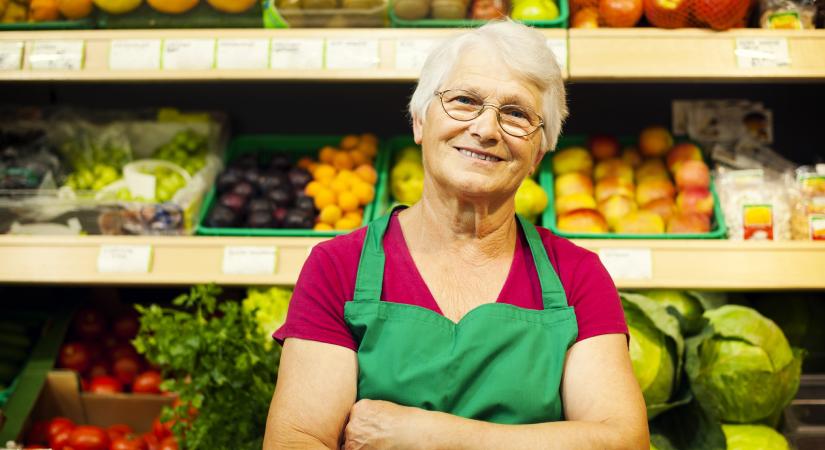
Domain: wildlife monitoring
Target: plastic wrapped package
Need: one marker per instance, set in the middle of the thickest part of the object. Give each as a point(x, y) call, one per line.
point(808, 202)
point(756, 206)
point(787, 14)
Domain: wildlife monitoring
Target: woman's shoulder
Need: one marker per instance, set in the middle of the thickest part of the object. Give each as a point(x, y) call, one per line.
point(562, 250)
point(342, 248)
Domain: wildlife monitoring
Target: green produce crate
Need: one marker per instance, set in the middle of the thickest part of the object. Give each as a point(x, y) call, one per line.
point(558, 22)
point(298, 146)
point(80, 24)
point(201, 16)
point(547, 180)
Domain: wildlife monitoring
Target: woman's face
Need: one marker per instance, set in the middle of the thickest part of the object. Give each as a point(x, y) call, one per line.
point(446, 141)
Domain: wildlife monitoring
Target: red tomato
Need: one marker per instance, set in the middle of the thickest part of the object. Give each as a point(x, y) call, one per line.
point(95, 349)
point(162, 430)
point(87, 437)
point(118, 431)
point(129, 442)
point(38, 434)
point(152, 442)
point(169, 443)
point(126, 369)
point(147, 383)
point(105, 385)
point(126, 326)
point(97, 369)
point(74, 356)
point(57, 424)
point(60, 440)
point(89, 323)
point(122, 349)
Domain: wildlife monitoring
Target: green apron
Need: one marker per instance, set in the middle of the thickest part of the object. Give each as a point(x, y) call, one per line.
point(499, 363)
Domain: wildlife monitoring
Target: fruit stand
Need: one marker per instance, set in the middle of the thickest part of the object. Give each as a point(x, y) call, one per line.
point(215, 168)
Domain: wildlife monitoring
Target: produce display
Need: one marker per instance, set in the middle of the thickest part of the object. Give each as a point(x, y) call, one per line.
point(407, 176)
point(715, 14)
point(269, 189)
point(62, 433)
point(21, 11)
point(526, 10)
point(27, 160)
point(654, 187)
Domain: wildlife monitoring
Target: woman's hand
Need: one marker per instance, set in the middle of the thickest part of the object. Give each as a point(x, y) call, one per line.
point(377, 424)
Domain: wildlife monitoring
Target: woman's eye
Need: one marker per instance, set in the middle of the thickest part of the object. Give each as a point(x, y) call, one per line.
point(465, 100)
point(516, 113)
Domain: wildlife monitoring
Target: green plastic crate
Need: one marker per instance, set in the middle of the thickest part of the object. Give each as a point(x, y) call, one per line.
point(558, 22)
point(547, 180)
point(80, 24)
point(201, 16)
point(297, 146)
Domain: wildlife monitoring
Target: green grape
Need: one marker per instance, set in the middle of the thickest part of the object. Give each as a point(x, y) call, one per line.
point(124, 194)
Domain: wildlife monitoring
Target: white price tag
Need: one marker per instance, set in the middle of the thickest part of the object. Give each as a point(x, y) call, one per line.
point(410, 54)
point(11, 55)
point(762, 52)
point(124, 259)
point(352, 54)
point(243, 53)
point(297, 54)
point(628, 263)
point(189, 54)
point(57, 55)
point(141, 185)
point(559, 48)
point(134, 54)
point(244, 260)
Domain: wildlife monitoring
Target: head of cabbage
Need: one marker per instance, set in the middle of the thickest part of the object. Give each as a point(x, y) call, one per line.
point(753, 437)
point(741, 367)
point(687, 306)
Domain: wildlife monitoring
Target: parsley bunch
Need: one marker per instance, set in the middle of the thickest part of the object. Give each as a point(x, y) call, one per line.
point(212, 356)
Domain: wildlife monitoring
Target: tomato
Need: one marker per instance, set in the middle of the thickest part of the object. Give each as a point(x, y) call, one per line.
point(60, 440)
point(97, 369)
point(87, 437)
point(105, 385)
point(169, 443)
point(147, 383)
point(126, 326)
point(57, 424)
point(118, 431)
point(38, 434)
point(152, 442)
point(121, 350)
point(126, 369)
point(129, 442)
point(89, 323)
point(74, 356)
point(162, 430)
point(95, 351)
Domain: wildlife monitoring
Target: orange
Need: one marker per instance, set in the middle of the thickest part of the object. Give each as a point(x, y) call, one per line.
point(368, 148)
point(43, 10)
point(313, 187)
point(74, 9)
point(305, 163)
point(338, 185)
point(350, 141)
point(324, 172)
point(324, 198)
point(355, 215)
point(330, 214)
point(172, 6)
point(326, 154)
point(347, 176)
point(347, 224)
point(358, 157)
point(366, 173)
point(371, 138)
point(348, 201)
point(321, 226)
point(231, 6)
point(342, 161)
point(364, 192)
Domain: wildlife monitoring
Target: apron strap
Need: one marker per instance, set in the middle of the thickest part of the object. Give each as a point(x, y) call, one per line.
point(370, 278)
point(552, 291)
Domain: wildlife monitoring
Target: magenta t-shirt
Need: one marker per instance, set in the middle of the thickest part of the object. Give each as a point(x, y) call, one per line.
point(327, 282)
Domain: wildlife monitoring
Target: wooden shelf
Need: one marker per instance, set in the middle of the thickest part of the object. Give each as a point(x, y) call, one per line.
point(724, 265)
point(651, 54)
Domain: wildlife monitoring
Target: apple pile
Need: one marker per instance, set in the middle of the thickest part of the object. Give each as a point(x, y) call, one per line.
point(101, 352)
point(716, 14)
point(656, 188)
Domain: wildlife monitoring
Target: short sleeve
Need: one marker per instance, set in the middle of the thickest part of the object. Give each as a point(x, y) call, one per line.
point(595, 299)
point(316, 310)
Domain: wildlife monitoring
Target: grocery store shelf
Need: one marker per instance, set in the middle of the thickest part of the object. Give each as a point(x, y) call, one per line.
point(652, 54)
point(188, 260)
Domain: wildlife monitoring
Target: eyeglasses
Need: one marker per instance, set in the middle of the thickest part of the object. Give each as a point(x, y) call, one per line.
point(465, 106)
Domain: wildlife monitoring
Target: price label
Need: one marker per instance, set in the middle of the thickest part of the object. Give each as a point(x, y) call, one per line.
point(628, 263)
point(189, 54)
point(243, 53)
point(134, 54)
point(297, 54)
point(11, 55)
point(57, 55)
point(753, 53)
point(124, 259)
point(246, 260)
point(410, 54)
point(559, 49)
point(352, 54)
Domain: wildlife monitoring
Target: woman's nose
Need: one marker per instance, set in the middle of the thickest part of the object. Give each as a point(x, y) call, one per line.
point(485, 126)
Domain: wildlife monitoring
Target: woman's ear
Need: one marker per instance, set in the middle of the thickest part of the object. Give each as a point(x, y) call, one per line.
point(418, 128)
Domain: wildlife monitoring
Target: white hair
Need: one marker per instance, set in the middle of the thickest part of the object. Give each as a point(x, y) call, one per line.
point(522, 49)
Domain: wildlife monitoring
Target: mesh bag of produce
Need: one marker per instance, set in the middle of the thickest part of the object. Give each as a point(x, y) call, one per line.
point(716, 14)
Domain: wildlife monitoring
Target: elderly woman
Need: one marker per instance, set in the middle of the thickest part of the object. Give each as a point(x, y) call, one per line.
point(455, 324)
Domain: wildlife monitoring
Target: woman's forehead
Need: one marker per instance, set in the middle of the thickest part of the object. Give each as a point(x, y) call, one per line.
point(486, 74)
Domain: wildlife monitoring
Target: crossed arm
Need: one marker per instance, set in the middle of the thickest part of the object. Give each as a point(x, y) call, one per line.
point(314, 407)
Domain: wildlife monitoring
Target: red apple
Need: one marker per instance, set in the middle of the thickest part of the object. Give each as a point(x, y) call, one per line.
point(688, 223)
point(664, 207)
point(572, 159)
point(616, 207)
point(695, 201)
point(654, 189)
point(680, 153)
point(586, 18)
point(582, 221)
point(651, 168)
point(611, 186)
point(573, 202)
point(613, 167)
point(721, 14)
point(655, 141)
point(668, 13)
point(641, 222)
point(603, 147)
point(620, 13)
point(573, 183)
point(692, 175)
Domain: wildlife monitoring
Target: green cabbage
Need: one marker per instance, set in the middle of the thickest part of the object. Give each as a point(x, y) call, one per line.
point(680, 303)
point(741, 367)
point(753, 437)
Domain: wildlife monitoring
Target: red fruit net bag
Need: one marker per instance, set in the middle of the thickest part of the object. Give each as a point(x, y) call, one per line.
point(716, 14)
